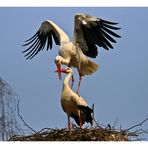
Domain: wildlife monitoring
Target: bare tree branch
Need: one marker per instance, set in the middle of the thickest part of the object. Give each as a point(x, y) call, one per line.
point(18, 111)
point(136, 125)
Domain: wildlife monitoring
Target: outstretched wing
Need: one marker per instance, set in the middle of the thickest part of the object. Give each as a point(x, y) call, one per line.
point(47, 32)
point(90, 31)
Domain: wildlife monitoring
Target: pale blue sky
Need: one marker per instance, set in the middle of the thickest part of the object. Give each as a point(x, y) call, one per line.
point(119, 88)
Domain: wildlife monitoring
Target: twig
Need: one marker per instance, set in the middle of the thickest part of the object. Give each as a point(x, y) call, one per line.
point(97, 123)
point(18, 112)
point(136, 125)
point(115, 123)
point(93, 107)
point(93, 116)
point(43, 130)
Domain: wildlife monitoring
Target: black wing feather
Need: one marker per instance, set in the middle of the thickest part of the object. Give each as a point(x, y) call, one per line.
point(33, 37)
point(107, 36)
point(55, 38)
point(38, 41)
point(90, 43)
point(33, 47)
point(30, 41)
point(107, 22)
point(110, 32)
point(111, 27)
point(29, 54)
point(49, 42)
point(99, 32)
point(101, 38)
point(39, 47)
point(33, 44)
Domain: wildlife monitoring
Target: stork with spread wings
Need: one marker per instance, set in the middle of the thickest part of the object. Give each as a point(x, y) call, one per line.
point(89, 33)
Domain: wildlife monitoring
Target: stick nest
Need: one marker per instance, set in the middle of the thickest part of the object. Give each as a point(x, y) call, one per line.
point(77, 134)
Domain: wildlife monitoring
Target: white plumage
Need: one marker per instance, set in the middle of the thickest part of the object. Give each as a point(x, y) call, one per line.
point(89, 32)
point(73, 104)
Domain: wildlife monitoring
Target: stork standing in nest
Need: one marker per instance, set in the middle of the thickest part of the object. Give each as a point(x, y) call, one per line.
point(89, 32)
point(73, 104)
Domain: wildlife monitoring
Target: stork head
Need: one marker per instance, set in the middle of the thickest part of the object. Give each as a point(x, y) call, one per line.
point(58, 60)
point(66, 70)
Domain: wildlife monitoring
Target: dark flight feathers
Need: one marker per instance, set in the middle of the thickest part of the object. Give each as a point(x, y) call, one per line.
point(85, 115)
point(94, 32)
point(38, 42)
point(98, 33)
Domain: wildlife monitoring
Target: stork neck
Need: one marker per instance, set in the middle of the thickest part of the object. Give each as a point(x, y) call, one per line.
point(65, 61)
point(66, 80)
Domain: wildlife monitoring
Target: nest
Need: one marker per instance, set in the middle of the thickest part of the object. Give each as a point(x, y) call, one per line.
point(98, 133)
point(77, 134)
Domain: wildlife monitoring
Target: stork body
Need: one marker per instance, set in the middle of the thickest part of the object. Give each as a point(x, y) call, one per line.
point(89, 32)
point(70, 56)
point(73, 104)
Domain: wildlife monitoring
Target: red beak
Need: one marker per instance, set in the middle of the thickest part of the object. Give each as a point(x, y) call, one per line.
point(59, 71)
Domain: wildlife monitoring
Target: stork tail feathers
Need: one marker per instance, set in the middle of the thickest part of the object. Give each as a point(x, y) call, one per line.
point(85, 115)
point(89, 69)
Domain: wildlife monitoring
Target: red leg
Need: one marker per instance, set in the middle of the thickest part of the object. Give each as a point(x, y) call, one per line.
point(80, 118)
point(80, 79)
point(69, 123)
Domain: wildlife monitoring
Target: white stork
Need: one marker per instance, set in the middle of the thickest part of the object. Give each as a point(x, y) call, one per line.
point(73, 104)
point(89, 32)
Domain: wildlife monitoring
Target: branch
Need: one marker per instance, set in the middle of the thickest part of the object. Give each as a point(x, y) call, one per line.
point(136, 125)
point(93, 116)
point(22, 118)
point(115, 123)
